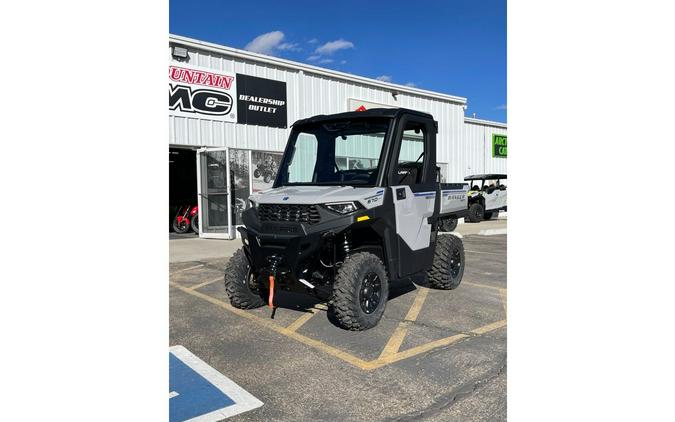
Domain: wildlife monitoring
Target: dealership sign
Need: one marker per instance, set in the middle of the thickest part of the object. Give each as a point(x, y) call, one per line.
point(261, 101)
point(498, 145)
point(197, 92)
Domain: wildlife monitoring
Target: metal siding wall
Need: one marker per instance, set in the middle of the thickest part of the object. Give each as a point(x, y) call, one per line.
point(477, 141)
point(461, 145)
point(494, 164)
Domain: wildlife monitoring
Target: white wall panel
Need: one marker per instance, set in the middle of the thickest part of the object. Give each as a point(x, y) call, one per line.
point(477, 141)
point(464, 146)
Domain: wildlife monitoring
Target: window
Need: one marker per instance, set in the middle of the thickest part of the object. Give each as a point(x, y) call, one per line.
point(443, 167)
point(321, 154)
point(411, 155)
point(301, 168)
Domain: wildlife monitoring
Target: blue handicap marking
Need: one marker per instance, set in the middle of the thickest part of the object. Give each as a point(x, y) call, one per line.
point(192, 394)
point(197, 391)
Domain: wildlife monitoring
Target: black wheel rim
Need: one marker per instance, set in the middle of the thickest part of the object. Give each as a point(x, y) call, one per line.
point(370, 293)
point(455, 263)
point(248, 281)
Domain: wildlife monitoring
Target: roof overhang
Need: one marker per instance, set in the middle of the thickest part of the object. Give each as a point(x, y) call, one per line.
point(484, 122)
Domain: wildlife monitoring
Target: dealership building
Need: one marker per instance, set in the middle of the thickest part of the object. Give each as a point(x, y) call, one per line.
point(230, 113)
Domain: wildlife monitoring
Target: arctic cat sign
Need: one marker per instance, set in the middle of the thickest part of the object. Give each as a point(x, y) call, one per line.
point(499, 145)
point(195, 92)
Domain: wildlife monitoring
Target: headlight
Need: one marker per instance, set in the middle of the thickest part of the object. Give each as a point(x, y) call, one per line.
point(342, 207)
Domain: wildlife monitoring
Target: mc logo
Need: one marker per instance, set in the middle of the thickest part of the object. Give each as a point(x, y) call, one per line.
point(205, 101)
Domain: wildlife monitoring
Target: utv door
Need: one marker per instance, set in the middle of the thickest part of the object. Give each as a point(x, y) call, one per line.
point(495, 200)
point(415, 194)
point(492, 200)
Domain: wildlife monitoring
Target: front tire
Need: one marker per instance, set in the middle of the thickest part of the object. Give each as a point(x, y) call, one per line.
point(476, 211)
point(238, 283)
point(181, 226)
point(447, 268)
point(360, 292)
point(487, 215)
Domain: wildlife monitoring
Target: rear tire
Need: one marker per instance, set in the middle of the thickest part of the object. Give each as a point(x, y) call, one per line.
point(360, 292)
point(447, 268)
point(448, 224)
point(476, 212)
point(238, 283)
point(487, 215)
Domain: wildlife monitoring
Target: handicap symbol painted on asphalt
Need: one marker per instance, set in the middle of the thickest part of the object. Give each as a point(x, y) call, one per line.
point(197, 392)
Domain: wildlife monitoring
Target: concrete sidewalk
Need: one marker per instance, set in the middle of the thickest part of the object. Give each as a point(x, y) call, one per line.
point(184, 250)
point(195, 249)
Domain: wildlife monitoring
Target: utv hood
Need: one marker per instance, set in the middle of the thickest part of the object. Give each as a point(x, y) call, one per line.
point(315, 194)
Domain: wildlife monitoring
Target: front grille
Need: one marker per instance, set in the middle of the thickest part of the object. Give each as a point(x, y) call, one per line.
point(289, 212)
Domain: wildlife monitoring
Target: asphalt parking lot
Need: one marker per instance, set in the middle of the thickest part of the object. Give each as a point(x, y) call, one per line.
point(436, 355)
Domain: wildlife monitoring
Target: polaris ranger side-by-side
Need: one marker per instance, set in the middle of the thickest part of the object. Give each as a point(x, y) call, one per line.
point(488, 199)
point(344, 234)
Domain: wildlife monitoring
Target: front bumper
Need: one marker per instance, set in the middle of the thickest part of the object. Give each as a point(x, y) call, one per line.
point(295, 247)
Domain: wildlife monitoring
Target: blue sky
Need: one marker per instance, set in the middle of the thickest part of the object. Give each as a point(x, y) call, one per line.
point(456, 47)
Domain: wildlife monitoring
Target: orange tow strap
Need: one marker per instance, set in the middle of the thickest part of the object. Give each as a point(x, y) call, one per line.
point(270, 302)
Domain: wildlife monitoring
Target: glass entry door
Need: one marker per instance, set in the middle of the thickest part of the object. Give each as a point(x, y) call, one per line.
point(213, 182)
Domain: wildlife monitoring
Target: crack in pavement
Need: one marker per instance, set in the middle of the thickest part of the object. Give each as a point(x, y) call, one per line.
point(446, 401)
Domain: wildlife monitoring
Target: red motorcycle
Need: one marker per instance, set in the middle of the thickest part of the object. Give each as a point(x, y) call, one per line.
point(187, 217)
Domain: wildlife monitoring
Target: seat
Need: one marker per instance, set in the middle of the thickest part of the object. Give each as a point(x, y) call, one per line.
point(409, 173)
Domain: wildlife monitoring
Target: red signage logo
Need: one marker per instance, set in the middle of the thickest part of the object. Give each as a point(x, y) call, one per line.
point(200, 77)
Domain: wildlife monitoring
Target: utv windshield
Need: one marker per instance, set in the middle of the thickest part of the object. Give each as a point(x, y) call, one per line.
point(334, 153)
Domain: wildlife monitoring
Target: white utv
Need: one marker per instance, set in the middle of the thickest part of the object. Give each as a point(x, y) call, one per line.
point(486, 200)
point(344, 234)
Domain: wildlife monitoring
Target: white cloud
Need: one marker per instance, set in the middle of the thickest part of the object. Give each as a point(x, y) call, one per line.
point(313, 57)
point(287, 46)
point(326, 61)
point(501, 107)
point(343, 61)
point(313, 41)
point(411, 84)
point(333, 46)
point(265, 43)
point(384, 78)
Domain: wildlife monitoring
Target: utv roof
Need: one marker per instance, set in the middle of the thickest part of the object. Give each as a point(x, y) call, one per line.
point(485, 176)
point(373, 112)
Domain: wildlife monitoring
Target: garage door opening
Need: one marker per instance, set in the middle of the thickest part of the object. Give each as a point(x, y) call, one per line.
point(182, 190)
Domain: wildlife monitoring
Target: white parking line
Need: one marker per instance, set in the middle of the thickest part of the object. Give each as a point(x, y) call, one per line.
point(491, 232)
point(186, 269)
point(491, 253)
